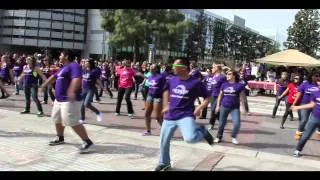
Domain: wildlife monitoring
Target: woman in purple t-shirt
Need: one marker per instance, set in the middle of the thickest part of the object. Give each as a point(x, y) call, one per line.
point(313, 122)
point(229, 100)
point(304, 94)
point(17, 69)
point(90, 77)
point(3, 74)
point(282, 83)
point(154, 98)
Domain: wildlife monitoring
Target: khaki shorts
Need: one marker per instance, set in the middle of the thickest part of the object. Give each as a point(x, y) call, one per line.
point(68, 113)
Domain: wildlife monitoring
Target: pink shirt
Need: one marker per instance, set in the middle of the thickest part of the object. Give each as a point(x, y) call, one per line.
point(126, 77)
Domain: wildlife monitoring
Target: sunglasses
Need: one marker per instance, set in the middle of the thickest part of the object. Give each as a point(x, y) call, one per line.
point(229, 74)
point(178, 65)
point(296, 78)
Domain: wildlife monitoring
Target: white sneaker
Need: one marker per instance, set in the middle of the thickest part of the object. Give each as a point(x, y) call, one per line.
point(235, 141)
point(116, 114)
point(297, 153)
point(99, 117)
point(217, 140)
point(81, 121)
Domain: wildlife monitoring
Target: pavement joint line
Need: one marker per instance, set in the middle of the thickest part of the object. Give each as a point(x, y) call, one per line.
point(217, 162)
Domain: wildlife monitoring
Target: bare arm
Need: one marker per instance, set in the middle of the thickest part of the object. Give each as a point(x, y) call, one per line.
point(165, 101)
point(284, 93)
point(299, 94)
point(44, 78)
point(49, 81)
point(219, 99)
point(310, 105)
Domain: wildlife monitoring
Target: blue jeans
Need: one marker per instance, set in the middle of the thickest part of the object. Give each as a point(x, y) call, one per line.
point(87, 100)
point(305, 114)
point(235, 114)
point(189, 130)
point(214, 115)
point(313, 123)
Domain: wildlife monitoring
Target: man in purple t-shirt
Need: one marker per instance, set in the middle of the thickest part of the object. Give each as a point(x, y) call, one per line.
point(181, 91)
point(66, 107)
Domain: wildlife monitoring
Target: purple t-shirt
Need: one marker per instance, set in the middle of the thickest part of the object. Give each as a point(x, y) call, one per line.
point(196, 74)
point(208, 82)
point(89, 79)
point(316, 110)
point(167, 75)
point(64, 76)
point(4, 71)
point(248, 71)
point(156, 83)
point(17, 69)
point(231, 98)
point(216, 84)
point(182, 94)
point(282, 87)
point(307, 90)
point(105, 73)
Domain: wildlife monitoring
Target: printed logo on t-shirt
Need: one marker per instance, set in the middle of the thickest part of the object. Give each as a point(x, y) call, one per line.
point(312, 90)
point(318, 101)
point(85, 76)
point(181, 90)
point(152, 83)
point(229, 91)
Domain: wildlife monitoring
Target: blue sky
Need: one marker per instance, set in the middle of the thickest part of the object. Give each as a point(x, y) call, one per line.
point(269, 22)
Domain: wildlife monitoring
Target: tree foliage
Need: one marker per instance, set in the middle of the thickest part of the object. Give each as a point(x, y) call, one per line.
point(140, 27)
point(303, 34)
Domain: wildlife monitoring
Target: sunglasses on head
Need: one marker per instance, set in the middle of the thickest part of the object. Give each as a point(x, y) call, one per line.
point(296, 78)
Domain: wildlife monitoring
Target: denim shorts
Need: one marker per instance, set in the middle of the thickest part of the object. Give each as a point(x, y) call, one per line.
point(152, 99)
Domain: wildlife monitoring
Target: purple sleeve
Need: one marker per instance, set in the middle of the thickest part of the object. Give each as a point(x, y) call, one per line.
point(301, 88)
point(222, 86)
point(166, 85)
point(76, 71)
point(202, 90)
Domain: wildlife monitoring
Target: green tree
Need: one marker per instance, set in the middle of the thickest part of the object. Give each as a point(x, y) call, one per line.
point(196, 40)
point(304, 32)
point(275, 48)
point(140, 27)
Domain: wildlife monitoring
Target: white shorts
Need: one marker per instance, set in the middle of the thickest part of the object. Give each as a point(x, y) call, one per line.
point(68, 113)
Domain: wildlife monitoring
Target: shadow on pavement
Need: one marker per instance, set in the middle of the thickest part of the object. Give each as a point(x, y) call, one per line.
point(118, 126)
point(267, 145)
point(256, 132)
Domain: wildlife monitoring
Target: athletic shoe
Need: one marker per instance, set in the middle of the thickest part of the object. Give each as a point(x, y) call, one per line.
point(273, 117)
point(116, 114)
point(81, 121)
point(162, 167)
point(85, 148)
point(131, 115)
point(297, 153)
point(207, 136)
point(17, 94)
point(40, 114)
point(217, 140)
point(298, 135)
point(235, 141)
point(281, 127)
point(147, 133)
point(56, 141)
point(25, 112)
point(99, 117)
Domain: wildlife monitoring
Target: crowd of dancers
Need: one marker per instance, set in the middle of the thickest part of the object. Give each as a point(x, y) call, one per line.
point(169, 90)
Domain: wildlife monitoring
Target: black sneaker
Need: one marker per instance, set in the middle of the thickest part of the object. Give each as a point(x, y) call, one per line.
point(40, 114)
point(162, 167)
point(207, 136)
point(86, 147)
point(57, 141)
point(273, 116)
point(25, 112)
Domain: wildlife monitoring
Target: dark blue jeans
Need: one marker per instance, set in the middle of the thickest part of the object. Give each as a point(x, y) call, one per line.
point(32, 91)
point(313, 123)
point(235, 115)
point(275, 108)
point(305, 114)
point(214, 115)
point(106, 84)
point(86, 103)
